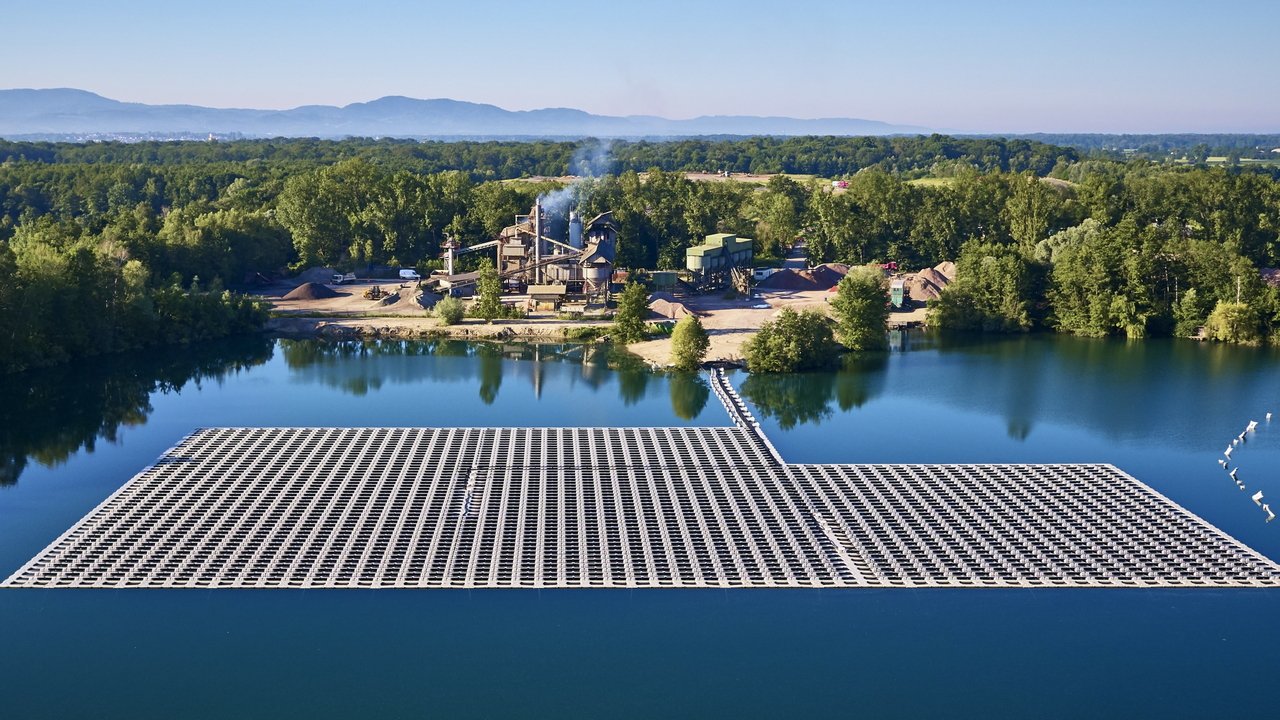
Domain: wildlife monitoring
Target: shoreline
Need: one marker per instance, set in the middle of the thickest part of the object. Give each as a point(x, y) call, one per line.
point(730, 322)
point(410, 328)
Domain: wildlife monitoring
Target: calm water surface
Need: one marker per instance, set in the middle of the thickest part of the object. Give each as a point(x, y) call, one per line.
point(1160, 410)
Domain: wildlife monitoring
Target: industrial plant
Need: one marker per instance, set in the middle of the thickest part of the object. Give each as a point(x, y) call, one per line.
point(545, 269)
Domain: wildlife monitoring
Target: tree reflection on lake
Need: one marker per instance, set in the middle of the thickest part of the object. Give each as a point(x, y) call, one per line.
point(805, 398)
point(47, 415)
point(689, 393)
point(360, 367)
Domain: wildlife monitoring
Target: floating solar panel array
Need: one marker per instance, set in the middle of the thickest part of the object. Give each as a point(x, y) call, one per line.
point(620, 507)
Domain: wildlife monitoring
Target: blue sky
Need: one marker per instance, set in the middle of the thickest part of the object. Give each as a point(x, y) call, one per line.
point(994, 66)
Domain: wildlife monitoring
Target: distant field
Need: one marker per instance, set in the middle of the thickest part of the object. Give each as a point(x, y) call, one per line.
point(747, 177)
point(945, 182)
point(695, 176)
point(1223, 160)
point(537, 179)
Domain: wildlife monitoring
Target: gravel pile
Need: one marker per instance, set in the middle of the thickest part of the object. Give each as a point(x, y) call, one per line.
point(310, 291)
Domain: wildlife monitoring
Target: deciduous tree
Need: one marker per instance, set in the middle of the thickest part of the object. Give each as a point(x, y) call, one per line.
point(633, 306)
point(689, 343)
point(861, 309)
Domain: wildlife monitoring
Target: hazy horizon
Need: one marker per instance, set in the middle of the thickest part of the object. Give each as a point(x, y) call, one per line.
point(989, 67)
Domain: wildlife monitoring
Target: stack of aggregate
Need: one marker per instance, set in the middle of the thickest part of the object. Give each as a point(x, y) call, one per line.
point(665, 305)
point(310, 291)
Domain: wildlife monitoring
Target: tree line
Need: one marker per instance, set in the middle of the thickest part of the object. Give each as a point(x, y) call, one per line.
point(827, 156)
point(138, 241)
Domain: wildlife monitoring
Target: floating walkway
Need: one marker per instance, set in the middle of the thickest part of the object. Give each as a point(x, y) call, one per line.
point(618, 507)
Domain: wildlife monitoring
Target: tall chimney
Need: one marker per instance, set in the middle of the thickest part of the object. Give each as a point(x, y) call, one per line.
point(537, 241)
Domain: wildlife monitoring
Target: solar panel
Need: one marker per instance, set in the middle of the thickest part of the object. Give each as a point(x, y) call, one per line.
point(617, 507)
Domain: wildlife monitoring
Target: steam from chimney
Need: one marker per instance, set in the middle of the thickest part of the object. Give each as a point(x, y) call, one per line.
point(590, 161)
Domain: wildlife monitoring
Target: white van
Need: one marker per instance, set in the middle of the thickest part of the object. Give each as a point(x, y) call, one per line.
point(410, 275)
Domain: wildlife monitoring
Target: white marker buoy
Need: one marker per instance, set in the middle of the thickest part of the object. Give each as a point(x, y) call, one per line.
point(1257, 498)
point(1233, 473)
point(1268, 417)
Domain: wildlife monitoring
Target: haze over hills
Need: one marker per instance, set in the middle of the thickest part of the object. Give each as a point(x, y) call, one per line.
point(56, 113)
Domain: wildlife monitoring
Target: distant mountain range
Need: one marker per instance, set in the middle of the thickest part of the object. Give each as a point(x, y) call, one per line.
point(63, 113)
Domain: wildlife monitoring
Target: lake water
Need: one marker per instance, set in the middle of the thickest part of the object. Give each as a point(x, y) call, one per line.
point(1160, 410)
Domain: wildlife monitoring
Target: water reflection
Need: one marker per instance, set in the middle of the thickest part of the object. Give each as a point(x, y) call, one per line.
point(360, 367)
point(806, 398)
point(48, 415)
point(490, 358)
point(1138, 390)
point(689, 393)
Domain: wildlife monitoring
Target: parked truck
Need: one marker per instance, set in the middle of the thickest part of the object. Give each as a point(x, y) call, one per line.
point(340, 279)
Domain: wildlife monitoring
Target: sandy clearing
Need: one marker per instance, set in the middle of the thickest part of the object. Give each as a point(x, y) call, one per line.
point(730, 323)
point(350, 300)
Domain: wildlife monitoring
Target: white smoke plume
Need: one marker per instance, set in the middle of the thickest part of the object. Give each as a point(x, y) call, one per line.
point(589, 161)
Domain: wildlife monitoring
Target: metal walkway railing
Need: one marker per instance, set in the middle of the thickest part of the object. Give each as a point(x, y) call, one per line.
point(739, 413)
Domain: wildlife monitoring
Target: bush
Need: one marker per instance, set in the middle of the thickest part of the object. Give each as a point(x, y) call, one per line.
point(584, 333)
point(792, 342)
point(449, 310)
point(689, 343)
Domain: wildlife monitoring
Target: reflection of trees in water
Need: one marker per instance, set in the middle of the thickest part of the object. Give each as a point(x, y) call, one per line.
point(806, 398)
point(361, 366)
point(633, 375)
point(490, 359)
point(1154, 389)
point(791, 399)
point(861, 378)
point(689, 393)
point(631, 385)
point(48, 415)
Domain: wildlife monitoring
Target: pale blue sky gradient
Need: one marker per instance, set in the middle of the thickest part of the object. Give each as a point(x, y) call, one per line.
point(983, 66)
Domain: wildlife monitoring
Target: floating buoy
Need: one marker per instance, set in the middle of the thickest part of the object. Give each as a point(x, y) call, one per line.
point(1268, 417)
point(1233, 473)
point(1227, 452)
point(1257, 498)
point(1222, 462)
point(1270, 515)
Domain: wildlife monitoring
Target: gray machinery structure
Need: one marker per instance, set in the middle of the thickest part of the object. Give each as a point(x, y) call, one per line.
point(527, 258)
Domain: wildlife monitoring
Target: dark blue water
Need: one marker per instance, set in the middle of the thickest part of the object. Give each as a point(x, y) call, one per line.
point(1162, 411)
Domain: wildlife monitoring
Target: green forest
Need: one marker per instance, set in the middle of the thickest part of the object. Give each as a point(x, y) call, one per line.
point(109, 246)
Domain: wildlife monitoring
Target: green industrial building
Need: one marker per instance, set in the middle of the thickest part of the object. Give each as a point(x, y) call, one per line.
point(719, 252)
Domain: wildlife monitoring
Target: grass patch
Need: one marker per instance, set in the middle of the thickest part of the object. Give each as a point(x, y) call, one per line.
point(584, 333)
